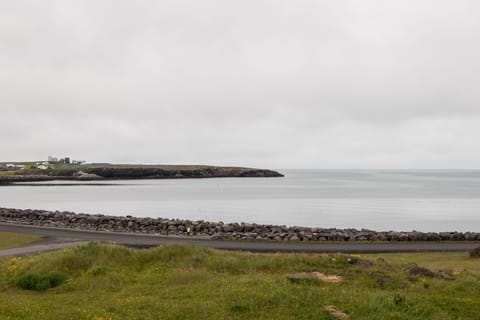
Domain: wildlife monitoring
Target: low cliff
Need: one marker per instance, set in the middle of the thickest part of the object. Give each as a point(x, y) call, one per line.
point(154, 172)
point(108, 171)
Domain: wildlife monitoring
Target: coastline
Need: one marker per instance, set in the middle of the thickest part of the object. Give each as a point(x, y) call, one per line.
point(216, 230)
point(135, 172)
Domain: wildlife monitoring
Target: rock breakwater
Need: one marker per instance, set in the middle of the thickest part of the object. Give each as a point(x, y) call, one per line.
point(216, 230)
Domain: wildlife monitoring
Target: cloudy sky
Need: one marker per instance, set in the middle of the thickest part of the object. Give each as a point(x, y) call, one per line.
point(278, 84)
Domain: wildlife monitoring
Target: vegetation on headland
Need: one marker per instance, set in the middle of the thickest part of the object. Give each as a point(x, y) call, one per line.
point(161, 171)
point(188, 282)
point(12, 240)
point(63, 171)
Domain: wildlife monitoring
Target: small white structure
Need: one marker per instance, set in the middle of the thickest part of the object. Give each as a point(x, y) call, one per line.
point(11, 166)
point(42, 165)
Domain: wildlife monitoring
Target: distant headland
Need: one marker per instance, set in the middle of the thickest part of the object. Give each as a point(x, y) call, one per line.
point(66, 169)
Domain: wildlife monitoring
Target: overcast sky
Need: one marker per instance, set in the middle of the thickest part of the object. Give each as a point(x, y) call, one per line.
point(276, 84)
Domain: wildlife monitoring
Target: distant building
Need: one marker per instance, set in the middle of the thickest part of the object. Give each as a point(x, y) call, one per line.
point(44, 165)
point(65, 160)
point(12, 167)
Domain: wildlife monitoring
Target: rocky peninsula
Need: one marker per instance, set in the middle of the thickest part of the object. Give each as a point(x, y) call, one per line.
point(111, 172)
point(216, 230)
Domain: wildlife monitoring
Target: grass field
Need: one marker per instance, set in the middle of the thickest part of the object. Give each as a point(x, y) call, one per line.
point(188, 282)
point(458, 261)
point(11, 240)
point(63, 167)
point(144, 166)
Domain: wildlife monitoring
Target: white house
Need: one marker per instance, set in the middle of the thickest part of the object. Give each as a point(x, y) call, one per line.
point(11, 166)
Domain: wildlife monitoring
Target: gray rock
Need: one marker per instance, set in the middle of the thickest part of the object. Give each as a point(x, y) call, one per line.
point(220, 230)
point(421, 272)
point(301, 277)
point(475, 253)
point(446, 274)
point(458, 236)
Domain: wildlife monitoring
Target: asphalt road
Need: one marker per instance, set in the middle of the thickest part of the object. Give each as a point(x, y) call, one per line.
point(68, 236)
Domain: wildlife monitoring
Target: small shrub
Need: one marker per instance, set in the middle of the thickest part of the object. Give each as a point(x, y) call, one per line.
point(239, 308)
point(34, 281)
point(54, 279)
point(28, 280)
point(99, 271)
point(398, 299)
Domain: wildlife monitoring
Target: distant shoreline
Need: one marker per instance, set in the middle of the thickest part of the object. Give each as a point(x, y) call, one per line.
point(94, 172)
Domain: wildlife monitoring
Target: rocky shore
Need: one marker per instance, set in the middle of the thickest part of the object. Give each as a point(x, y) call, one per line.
point(32, 178)
point(216, 230)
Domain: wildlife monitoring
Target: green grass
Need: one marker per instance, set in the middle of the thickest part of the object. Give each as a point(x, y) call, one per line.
point(61, 169)
point(457, 261)
point(11, 240)
point(8, 173)
point(188, 282)
point(141, 166)
point(28, 167)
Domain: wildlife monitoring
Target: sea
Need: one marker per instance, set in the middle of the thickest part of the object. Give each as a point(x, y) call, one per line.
point(382, 200)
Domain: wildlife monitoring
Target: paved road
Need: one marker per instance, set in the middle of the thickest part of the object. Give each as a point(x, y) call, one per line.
point(37, 248)
point(57, 235)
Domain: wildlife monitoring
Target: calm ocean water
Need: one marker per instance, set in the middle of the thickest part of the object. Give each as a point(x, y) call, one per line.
point(376, 199)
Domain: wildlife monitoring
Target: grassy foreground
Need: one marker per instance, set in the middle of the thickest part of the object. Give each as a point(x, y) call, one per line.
point(11, 240)
point(188, 282)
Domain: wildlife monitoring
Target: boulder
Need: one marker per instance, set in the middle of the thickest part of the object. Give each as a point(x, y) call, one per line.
point(313, 276)
point(446, 274)
point(475, 253)
point(335, 312)
point(421, 272)
point(458, 236)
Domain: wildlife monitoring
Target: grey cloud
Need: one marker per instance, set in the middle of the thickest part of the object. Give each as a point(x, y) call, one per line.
point(260, 83)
